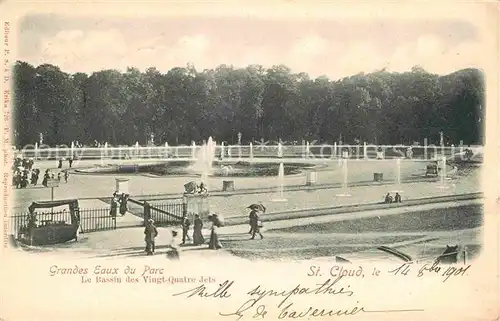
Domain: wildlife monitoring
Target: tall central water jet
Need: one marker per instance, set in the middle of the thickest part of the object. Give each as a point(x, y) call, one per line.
point(204, 160)
point(281, 184)
point(345, 187)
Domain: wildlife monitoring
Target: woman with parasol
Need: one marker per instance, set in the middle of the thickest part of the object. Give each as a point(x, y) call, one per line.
point(254, 208)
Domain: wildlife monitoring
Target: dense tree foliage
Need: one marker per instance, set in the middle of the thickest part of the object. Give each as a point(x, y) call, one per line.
point(184, 105)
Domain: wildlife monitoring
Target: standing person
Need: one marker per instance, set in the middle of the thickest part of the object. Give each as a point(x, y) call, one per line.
point(60, 163)
point(17, 179)
point(198, 238)
point(34, 177)
point(123, 204)
point(185, 228)
point(114, 205)
point(150, 233)
point(70, 161)
point(46, 177)
point(66, 175)
point(250, 218)
point(214, 243)
point(254, 223)
point(24, 180)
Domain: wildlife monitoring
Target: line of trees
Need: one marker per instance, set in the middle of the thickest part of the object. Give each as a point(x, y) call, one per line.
point(185, 105)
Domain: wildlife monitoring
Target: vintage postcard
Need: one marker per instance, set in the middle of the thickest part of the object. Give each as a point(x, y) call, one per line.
point(249, 160)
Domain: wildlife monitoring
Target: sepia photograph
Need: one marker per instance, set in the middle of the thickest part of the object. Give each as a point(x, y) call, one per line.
point(275, 145)
point(247, 138)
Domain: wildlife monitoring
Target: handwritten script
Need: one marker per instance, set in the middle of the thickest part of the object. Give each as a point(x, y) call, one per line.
point(258, 304)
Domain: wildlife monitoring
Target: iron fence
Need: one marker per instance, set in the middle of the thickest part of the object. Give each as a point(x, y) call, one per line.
point(165, 214)
point(91, 220)
point(172, 208)
point(163, 218)
point(19, 222)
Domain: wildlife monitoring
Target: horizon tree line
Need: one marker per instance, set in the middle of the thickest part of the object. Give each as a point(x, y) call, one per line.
point(185, 105)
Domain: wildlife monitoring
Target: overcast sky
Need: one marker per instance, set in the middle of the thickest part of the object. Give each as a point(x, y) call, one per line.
point(318, 47)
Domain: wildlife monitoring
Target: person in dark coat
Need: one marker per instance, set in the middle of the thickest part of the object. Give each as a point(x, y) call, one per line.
point(123, 204)
point(150, 233)
point(185, 228)
point(388, 199)
point(254, 223)
point(70, 161)
point(24, 180)
point(66, 175)
point(34, 177)
point(60, 163)
point(250, 221)
point(46, 177)
point(114, 205)
point(397, 198)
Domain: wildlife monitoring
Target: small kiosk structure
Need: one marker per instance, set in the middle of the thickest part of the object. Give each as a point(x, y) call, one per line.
point(48, 230)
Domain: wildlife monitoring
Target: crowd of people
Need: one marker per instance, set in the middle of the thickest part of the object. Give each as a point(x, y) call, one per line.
point(49, 175)
point(197, 238)
point(25, 173)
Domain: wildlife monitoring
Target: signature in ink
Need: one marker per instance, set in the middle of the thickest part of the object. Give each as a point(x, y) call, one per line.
point(202, 291)
point(260, 310)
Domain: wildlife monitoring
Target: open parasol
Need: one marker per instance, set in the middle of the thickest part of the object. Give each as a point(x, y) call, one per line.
point(258, 207)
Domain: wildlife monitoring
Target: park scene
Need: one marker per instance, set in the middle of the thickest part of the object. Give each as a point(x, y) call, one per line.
point(251, 163)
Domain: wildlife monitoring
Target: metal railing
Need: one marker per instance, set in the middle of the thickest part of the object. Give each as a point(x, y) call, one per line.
point(164, 214)
point(91, 220)
point(164, 218)
point(259, 149)
point(173, 208)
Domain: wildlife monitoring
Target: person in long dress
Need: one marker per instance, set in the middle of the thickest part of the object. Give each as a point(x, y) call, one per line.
point(214, 243)
point(198, 238)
